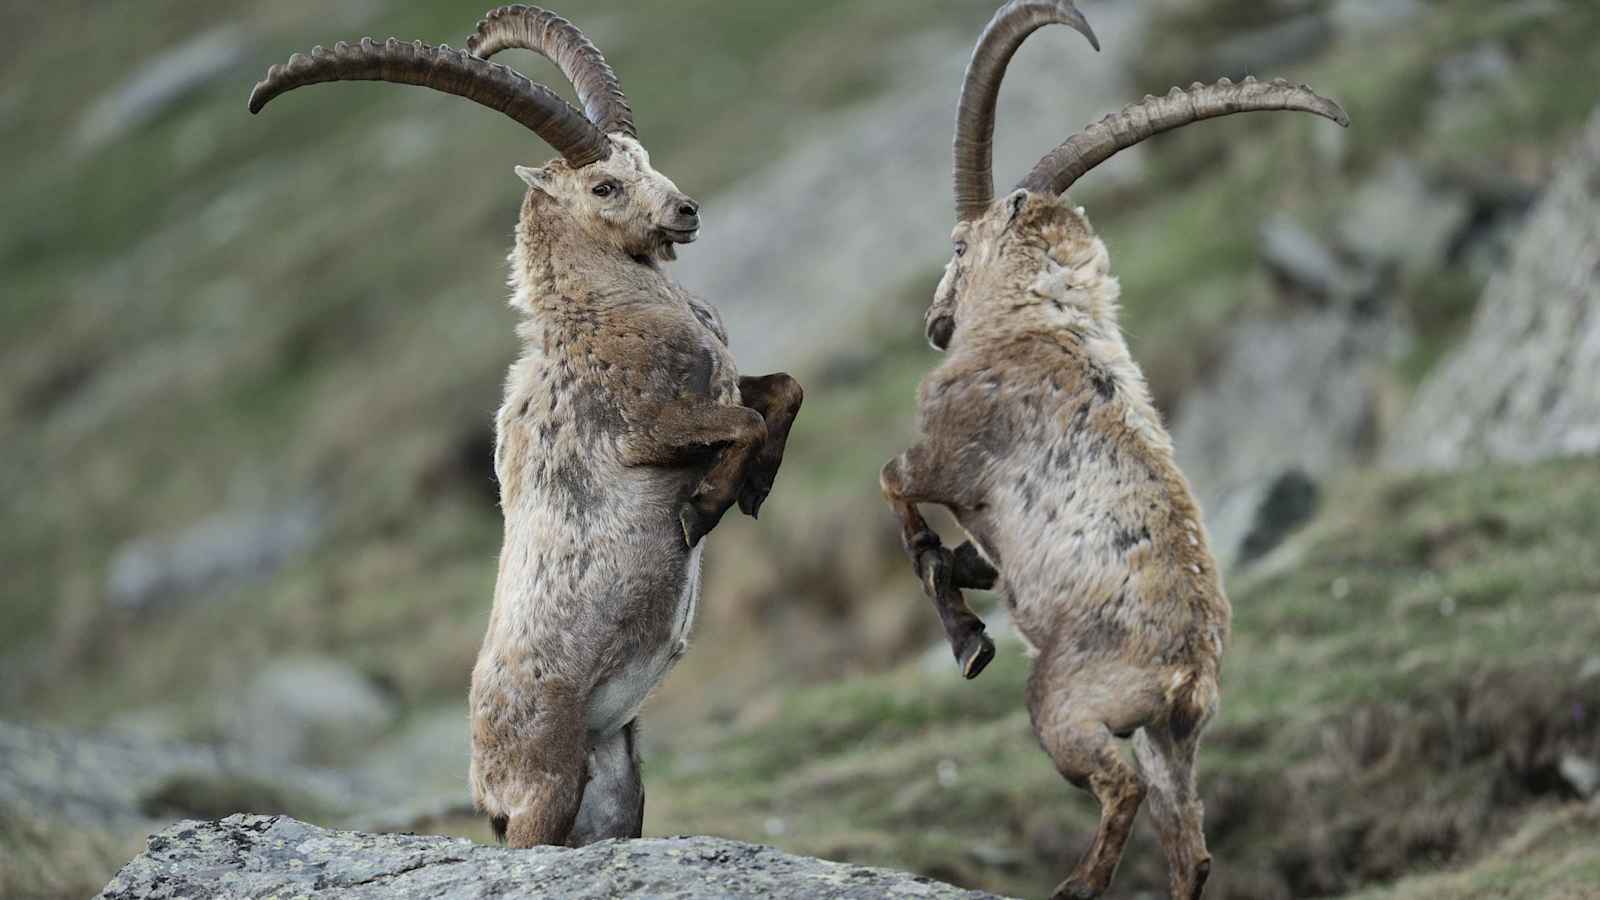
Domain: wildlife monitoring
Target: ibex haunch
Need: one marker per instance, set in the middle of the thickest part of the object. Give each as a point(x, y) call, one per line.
point(1040, 436)
point(626, 433)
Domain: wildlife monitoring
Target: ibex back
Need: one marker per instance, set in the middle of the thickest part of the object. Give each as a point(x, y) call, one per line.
point(1040, 436)
point(625, 434)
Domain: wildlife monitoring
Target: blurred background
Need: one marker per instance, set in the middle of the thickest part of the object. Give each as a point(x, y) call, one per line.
point(248, 368)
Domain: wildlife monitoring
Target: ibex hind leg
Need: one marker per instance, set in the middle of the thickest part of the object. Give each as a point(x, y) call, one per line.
point(1167, 766)
point(531, 792)
point(1078, 709)
point(550, 805)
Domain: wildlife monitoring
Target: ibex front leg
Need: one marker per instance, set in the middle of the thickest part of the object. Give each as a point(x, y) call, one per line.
point(684, 433)
point(910, 479)
point(777, 398)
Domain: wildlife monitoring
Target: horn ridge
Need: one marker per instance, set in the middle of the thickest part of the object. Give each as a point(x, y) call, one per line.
point(1063, 166)
point(523, 27)
point(447, 70)
point(980, 92)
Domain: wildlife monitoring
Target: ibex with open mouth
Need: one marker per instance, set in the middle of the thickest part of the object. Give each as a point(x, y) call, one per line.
point(1040, 436)
point(625, 434)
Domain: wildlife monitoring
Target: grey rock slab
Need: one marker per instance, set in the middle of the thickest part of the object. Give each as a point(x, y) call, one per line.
point(126, 783)
point(1299, 391)
point(1525, 383)
point(276, 856)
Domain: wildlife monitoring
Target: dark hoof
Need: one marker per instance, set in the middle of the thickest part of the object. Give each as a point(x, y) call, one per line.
point(753, 494)
point(697, 523)
point(1202, 872)
point(976, 652)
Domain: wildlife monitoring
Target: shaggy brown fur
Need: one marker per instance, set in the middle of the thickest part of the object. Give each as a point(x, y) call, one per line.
point(1041, 438)
point(625, 433)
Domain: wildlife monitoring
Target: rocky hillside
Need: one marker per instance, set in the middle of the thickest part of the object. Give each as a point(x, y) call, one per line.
point(247, 369)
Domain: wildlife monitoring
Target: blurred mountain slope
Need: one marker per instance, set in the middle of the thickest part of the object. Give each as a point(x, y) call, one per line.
point(277, 342)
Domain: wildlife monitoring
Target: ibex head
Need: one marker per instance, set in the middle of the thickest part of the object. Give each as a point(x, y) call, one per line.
point(603, 179)
point(1034, 223)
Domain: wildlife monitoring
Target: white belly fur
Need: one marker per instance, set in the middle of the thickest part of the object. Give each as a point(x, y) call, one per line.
point(617, 700)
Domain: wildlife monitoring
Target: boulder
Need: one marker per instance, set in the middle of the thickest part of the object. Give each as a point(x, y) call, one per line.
point(1295, 398)
point(1523, 385)
point(313, 709)
point(273, 856)
point(210, 556)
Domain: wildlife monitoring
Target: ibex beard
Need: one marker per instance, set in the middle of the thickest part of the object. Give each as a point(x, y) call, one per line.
point(625, 434)
point(1041, 437)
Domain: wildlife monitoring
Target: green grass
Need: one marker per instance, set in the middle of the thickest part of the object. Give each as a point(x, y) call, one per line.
point(289, 306)
point(1366, 712)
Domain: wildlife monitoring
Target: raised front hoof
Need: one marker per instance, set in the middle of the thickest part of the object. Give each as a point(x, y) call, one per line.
point(696, 522)
point(754, 492)
point(1075, 888)
point(975, 653)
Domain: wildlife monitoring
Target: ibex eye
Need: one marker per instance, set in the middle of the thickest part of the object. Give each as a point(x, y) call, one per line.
point(603, 190)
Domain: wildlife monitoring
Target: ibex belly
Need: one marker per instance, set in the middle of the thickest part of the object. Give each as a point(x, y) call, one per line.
point(616, 700)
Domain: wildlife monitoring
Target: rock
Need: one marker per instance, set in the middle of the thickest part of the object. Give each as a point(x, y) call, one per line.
point(159, 84)
point(1583, 774)
point(219, 551)
point(1289, 502)
point(1297, 392)
point(1301, 260)
point(1396, 219)
point(121, 782)
point(262, 856)
point(1522, 386)
point(308, 709)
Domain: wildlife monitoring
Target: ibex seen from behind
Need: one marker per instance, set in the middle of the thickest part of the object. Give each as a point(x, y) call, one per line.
point(625, 434)
point(1040, 436)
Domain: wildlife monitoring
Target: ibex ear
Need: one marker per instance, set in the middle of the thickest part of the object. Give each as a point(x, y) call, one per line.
point(1015, 203)
point(535, 178)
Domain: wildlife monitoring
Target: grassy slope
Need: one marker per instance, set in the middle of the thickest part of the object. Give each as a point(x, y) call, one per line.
point(272, 293)
point(223, 297)
point(1381, 710)
point(200, 284)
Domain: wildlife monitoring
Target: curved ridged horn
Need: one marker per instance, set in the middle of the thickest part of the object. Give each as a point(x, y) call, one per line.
point(980, 91)
point(522, 27)
point(535, 106)
point(1117, 132)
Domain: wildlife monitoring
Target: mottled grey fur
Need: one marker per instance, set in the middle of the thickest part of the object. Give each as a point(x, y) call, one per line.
point(625, 434)
point(1039, 435)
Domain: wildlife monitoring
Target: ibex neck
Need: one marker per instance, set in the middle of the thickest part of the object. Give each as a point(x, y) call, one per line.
point(552, 271)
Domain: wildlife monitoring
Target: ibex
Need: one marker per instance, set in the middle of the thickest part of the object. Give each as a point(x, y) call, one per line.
point(1040, 436)
point(625, 434)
